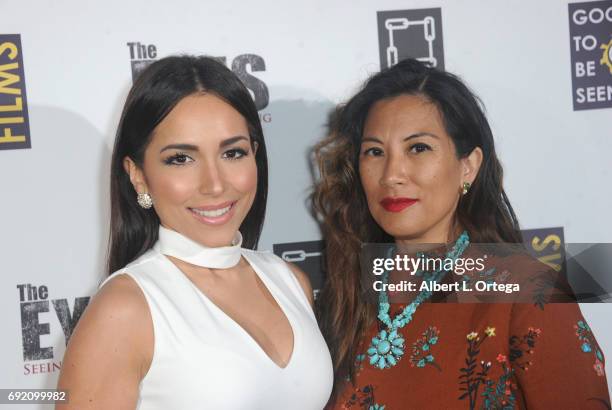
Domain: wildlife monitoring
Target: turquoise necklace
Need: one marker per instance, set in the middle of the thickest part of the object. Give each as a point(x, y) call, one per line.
point(387, 347)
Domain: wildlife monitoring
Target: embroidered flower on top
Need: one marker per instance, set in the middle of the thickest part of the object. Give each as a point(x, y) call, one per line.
point(588, 345)
point(522, 346)
point(470, 377)
point(498, 394)
point(421, 348)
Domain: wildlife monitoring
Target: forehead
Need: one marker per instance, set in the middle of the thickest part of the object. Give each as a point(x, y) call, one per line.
point(198, 118)
point(404, 114)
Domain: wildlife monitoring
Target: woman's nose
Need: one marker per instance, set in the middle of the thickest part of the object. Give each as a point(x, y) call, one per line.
point(211, 179)
point(395, 171)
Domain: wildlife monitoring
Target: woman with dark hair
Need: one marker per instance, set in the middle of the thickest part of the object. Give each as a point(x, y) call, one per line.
point(192, 316)
point(410, 159)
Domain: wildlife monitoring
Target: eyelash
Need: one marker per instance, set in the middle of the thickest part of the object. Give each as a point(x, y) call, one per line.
point(237, 153)
point(370, 151)
point(420, 147)
point(241, 153)
point(173, 159)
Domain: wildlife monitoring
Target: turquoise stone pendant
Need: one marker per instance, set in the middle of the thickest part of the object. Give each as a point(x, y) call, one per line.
point(386, 349)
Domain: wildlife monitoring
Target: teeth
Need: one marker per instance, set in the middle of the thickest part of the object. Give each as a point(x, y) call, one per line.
point(213, 214)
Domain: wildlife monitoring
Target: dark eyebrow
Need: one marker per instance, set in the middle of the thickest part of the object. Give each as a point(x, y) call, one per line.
point(191, 147)
point(418, 134)
point(421, 134)
point(371, 139)
point(233, 140)
point(182, 147)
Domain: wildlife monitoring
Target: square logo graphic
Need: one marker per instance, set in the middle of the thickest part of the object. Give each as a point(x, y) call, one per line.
point(590, 27)
point(14, 119)
point(410, 33)
point(308, 256)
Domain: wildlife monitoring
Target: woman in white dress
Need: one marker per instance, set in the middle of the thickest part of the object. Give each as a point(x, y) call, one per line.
point(191, 316)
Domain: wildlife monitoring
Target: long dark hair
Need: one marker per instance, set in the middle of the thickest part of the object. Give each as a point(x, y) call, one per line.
point(154, 94)
point(340, 202)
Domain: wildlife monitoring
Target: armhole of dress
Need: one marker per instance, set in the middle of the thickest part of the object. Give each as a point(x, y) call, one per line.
point(300, 289)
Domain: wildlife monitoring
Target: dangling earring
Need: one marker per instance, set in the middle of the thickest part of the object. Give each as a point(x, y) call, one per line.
point(144, 200)
point(466, 188)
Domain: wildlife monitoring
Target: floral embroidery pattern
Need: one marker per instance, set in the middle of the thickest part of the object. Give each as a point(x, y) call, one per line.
point(544, 285)
point(364, 398)
point(498, 394)
point(421, 349)
point(522, 346)
point(588, 345)
point(470, 377)
point(359, 362)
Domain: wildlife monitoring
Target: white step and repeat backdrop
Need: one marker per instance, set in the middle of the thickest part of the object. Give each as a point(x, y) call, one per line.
point(543, 70)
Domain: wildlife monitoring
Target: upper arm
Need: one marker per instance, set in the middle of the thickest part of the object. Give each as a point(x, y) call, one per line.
point(304, 281)
point(110, 349)
point(559, 349)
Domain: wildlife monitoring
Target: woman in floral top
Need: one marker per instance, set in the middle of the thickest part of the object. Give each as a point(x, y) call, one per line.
point(411, 160)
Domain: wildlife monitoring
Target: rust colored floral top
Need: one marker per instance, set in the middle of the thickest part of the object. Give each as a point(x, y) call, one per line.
point(484, 356)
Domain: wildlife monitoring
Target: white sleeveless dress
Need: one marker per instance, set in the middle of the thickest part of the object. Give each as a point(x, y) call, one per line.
point(204, 360)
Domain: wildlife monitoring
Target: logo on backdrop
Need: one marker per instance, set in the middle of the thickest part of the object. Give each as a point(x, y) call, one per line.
point(141, 55)
point(544, 244)
point(410, 33)
point(34, 300)
point(243, 65)
point(591, 54)
point(14, 119)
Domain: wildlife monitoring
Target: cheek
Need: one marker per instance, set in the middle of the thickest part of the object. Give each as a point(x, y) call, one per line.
point(169, 187)
point(243, 178)
point(439, 179)
point(369, 175)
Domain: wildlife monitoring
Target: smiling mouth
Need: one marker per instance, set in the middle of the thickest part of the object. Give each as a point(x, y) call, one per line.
point(216, 214)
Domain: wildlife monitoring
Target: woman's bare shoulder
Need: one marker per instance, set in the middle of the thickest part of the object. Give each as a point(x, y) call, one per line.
point(110, 349)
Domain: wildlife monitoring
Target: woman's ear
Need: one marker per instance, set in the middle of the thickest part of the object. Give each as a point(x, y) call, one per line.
point(471, 165)
point(136, 175)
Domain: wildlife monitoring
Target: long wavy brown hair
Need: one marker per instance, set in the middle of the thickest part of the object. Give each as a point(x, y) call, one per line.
point(340, 204)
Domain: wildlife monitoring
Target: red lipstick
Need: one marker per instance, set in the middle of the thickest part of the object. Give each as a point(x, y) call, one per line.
point(397, 204)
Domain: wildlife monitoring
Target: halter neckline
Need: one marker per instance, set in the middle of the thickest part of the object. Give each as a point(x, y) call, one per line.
point(172, 243)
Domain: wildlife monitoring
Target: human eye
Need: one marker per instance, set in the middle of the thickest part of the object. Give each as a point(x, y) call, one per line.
point(235, 153)
point(179, 158)
point(373, 152)
point(419, 147)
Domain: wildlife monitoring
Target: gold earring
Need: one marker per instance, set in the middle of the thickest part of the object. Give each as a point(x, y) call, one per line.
point(466, 188)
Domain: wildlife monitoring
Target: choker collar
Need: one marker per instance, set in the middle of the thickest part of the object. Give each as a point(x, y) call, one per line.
point(172, 243)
